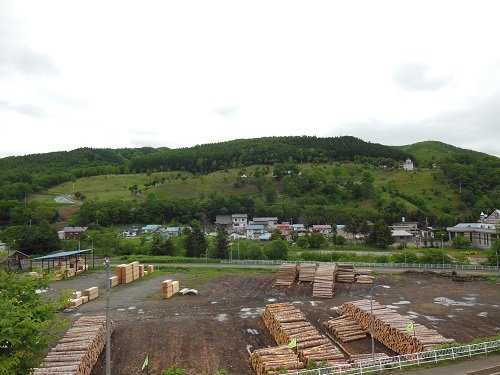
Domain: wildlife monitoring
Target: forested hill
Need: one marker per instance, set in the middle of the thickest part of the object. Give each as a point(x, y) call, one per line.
point(243, 152)
point(476, 176)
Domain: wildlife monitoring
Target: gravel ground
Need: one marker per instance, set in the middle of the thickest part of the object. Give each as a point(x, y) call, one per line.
point(216, 329)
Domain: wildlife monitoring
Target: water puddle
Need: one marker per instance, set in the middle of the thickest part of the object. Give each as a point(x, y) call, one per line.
point(221, 317)
point(248, 312)
point(432, 318)
point(450, 302)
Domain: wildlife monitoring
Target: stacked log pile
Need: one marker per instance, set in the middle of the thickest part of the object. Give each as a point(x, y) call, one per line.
point(287, 274)
point(345, 329)
point(379, 358)
point(345, 273)
point(325, 353)
point(274, 360)
point(391, 328)
point(324, 281)
point(364, 276)
point(77, 351)
point(287, 323)
point(307, 272)
point(364, 279)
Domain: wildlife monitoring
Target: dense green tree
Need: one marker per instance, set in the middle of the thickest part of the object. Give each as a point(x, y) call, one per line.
point(316, 240)
point(380, 235)
point(26, 322)
point(195, 242)
point(168, 246)
point(157, 245)
point(221, 243)
point(303, 242)
point(38, 239)
point(276, 250)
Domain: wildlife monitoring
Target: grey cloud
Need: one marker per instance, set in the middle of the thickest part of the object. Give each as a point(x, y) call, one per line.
point(144, 138)
point(475, 127)
point(25, 109)
point(22, 60)
point(15, 56)
point(226, 112)
point(413, 77)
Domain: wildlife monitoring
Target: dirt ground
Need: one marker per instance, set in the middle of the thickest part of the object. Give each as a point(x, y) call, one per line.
point(216, 329)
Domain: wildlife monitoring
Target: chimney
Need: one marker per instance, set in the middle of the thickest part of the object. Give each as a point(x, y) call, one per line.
point(481, 217)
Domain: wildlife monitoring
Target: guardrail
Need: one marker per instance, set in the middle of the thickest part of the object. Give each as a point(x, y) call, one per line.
point(371, 265)
point(409, 360)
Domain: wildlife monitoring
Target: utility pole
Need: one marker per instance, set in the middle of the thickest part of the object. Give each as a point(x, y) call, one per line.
point(108, 328)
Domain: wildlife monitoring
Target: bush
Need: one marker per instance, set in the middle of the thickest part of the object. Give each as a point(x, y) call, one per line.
point(173, 371)
point(460, 242)
point(276, 250)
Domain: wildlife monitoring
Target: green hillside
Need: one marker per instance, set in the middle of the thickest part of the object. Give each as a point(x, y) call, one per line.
point(304, 179)
point(428, 153)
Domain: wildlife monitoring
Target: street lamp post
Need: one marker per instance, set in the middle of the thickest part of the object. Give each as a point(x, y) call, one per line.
point(238, 248)
point(108, 328)
point(371, 317)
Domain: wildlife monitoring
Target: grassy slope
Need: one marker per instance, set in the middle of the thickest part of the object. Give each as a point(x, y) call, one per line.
point(429, 152)
point(428, 184)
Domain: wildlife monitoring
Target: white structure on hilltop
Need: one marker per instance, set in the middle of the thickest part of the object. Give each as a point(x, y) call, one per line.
point(408, 165)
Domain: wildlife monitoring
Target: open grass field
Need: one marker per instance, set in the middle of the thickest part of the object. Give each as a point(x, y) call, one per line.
point(174, 185)
point(427, 185)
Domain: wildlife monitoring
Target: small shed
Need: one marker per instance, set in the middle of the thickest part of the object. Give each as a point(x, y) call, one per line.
point(16, 258)
point(77, 259)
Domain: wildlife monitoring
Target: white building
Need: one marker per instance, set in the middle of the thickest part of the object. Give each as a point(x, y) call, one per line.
point(408, 165)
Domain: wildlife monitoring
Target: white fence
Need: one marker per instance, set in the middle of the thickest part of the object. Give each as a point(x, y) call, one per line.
point(371, 265)
point(403, 361)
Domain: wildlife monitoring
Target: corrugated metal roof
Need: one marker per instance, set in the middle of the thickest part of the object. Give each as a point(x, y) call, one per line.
point(63, 254)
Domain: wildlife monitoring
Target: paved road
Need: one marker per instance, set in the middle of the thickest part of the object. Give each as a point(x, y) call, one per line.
point(374, 269)
point(489, 365)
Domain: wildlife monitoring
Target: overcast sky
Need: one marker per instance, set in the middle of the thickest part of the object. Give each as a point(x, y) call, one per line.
point(180, 73)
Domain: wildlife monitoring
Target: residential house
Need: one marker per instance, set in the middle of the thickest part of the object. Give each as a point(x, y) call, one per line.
point(3, 246)
point(481, 234)
point(326, 229)
point(150, 228)
point(224, 220)
point(173, 231)
point(269, 222)
point(71, 233)
point(234, 236)
point(408, 165)
point(169, 232)
point(285, 229)
point(300, 230)
point(254, 231)
point(401, 236)
point(412, 227)
point(240, 222)
point(265, 237)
